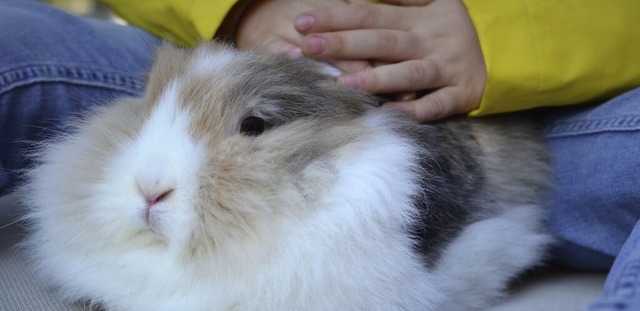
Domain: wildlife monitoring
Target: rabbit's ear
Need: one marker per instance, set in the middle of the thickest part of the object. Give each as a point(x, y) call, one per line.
point(170, 62)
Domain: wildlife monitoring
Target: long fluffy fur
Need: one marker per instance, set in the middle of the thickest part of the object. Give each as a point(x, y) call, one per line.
point(336, 206)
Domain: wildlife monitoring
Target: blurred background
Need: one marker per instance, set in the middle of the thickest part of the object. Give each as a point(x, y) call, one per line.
point(90, 8)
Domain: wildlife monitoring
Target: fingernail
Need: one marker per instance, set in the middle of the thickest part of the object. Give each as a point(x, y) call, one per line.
point(304, 23)
point(349, 80)
point(294, 52)
point(405, 96)
point(316, 45)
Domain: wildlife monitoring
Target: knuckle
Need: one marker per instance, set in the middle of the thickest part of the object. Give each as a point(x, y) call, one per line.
point(417, 75)
point(370, 82)
point(324, 18)
point(336, 44)
point(365, 14)
point(438, 106)
point(430, 70)
point(384, 42)
point(414, 41)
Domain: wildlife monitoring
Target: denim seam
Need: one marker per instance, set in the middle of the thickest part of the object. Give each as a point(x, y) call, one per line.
point(622, 290)
point(584, 127)
point(626, 284)
point(17, 77)
point(608, 306)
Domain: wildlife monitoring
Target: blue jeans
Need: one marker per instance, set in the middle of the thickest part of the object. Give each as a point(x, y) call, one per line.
point(596, 205)
point(54, 65)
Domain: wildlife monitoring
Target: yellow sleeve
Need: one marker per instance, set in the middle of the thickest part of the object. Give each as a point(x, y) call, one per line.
point(556, 52)
point(181, 21)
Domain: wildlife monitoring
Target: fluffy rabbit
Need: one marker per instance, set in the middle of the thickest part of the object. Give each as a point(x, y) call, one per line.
point(255, 182)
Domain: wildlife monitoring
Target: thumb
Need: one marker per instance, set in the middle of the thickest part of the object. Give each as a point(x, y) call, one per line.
point(434, 106)
point(407, 2)
point(279, 46)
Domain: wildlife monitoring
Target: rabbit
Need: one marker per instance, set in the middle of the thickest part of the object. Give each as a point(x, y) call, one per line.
point(242, 181)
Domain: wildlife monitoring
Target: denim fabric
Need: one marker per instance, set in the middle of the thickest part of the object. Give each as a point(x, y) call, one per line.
point(596, 151)
point(54, 65)
point(596, 205)
point(622, 288)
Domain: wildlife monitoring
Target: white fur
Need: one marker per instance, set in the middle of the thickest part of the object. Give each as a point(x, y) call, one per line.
point(207, 63)
point(91, 237)
point(330, 70)
point(350, 253)
point(162, 157)
point(479, 264)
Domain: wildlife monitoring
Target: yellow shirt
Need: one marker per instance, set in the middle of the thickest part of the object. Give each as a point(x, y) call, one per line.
point(537, 52)
point(181, 21)
point(556, 52)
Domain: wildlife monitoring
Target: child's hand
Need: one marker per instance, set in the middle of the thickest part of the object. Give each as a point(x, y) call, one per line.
point(267, 26)
point(432, 47)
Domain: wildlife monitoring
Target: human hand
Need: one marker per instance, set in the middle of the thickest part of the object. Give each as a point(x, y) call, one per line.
point(267, 27)
point(431, 47)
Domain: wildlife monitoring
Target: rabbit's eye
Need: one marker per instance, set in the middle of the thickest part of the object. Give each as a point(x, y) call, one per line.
point(252, 126)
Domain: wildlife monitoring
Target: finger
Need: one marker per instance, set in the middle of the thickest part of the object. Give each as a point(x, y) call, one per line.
point(284, 48)
point(292, 52)
point(377, 63)
point(349, 17)
point(413, 75)
point(407, 2)
point(379, 44)
point(352, 66)
point(404, 96)
point(437, 105)
point(276, 46)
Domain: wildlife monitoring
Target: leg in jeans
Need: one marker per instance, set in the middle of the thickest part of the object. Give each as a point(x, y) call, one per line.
point(597, 202)
point(622, 288)
point(54, 65)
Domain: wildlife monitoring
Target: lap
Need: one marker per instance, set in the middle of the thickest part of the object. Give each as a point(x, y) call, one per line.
point(597, 164)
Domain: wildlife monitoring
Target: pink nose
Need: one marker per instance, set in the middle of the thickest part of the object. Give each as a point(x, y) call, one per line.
point(153, 199)
point(150, 214)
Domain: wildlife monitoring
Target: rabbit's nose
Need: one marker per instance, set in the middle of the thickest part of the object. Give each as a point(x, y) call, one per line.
point(152, 199)
point(151, 213)
point(155, 185)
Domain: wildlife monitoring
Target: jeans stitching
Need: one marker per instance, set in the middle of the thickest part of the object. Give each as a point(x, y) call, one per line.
point(608, 306)
point(623, 289)
point(16, 77)
point(584, 127)
point(626, 284)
